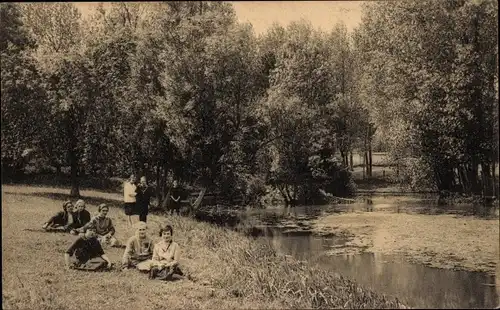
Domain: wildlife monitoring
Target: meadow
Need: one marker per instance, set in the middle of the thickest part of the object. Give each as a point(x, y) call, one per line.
point(227, 269)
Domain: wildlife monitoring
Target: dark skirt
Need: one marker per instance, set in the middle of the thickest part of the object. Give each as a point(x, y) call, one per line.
point(130, 208)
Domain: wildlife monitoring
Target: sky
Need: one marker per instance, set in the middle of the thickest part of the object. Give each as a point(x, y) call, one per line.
point(262, 14)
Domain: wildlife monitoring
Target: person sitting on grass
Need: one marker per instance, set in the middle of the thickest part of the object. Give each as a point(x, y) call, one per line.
point(86, 253)
point(80, 217)
point(165, 262)
point(103, 226)
point(139, 248)
point(61, 219)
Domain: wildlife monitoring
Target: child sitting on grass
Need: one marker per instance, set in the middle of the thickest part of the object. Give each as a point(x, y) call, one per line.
point(139, 248)
point(61, 219)
point(86, 253)
point(103, 227)
point(79, 216)
point(165, 262)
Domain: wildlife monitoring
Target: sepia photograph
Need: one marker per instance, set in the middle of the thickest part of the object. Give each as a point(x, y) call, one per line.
point(250, 155)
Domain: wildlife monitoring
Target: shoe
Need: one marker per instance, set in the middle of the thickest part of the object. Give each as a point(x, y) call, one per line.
point(45, 226)
point(152, 273)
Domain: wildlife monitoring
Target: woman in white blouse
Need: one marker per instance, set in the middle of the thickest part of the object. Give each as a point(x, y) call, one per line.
point(165, 262)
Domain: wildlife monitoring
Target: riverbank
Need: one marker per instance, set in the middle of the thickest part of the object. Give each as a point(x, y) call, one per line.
point(441, 241)
point(228, 270)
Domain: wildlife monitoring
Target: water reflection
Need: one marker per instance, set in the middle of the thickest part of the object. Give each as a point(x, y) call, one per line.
point(416, 285)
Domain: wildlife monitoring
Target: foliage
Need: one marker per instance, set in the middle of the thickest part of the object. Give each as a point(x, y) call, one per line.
point(181, 90)
point(431, 67)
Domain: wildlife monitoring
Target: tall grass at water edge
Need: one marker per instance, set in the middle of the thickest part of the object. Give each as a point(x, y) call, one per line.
point(250, 273)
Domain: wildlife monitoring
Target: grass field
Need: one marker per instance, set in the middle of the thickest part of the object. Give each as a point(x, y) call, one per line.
point(229, 270)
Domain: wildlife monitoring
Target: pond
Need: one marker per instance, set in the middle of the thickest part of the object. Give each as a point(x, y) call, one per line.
point(414, 284)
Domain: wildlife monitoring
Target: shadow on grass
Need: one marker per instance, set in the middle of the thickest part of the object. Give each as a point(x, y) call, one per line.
point(63, 197)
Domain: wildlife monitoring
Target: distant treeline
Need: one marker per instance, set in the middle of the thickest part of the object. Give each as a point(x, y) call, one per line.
point(181, 90)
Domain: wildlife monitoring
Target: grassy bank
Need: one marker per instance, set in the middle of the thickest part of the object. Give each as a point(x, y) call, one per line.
point(228, 270)
point(443, 241)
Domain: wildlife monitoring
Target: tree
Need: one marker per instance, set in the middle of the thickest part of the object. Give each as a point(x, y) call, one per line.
point(431, 65)
point(24, 103)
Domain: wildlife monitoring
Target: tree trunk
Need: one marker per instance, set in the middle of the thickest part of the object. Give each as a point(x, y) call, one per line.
point(370, 158)
point(488, 187)
point(351, 163)
point(75, 184)
point(342, 154)
point(494, 177)
point(364, 165)
point(368, 172)
point(158, 183)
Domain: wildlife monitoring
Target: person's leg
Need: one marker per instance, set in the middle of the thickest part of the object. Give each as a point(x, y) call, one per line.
point(145, 265)
point(50, 223)
point(114, 242)
point(94, 264)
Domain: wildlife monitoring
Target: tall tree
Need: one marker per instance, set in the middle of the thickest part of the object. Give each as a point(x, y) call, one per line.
point(24, 104)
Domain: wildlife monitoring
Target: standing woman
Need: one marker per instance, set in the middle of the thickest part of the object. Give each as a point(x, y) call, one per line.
point(175, 197)
point(129, 199)
point(143, 197)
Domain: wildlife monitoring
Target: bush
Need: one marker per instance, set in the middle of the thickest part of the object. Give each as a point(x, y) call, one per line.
point(416, 175)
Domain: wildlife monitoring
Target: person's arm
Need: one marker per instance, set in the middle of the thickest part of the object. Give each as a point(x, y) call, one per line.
point(129, 251)
point(69, 252)
point(155, 257)
point(131, 190)
point(70, 221)
point(178, 196)
point(105, 257)
point(67, 260)
point(177, 255)
point(111, 228)
point(87, 226)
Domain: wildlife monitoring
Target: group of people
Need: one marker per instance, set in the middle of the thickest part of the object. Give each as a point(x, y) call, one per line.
point(160, 260)
point(136, 198)
point(70, 219)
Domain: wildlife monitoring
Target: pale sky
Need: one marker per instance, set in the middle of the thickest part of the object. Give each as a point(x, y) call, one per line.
point(262, 14)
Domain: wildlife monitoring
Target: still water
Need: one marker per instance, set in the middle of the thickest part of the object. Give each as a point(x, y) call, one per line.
point(415, 285)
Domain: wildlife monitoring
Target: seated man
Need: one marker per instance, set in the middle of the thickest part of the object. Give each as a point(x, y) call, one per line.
point(103, 227)
point(87, 253)
point(165, 262)
point(61, 219)
point(80, 217)
point(139, 247)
